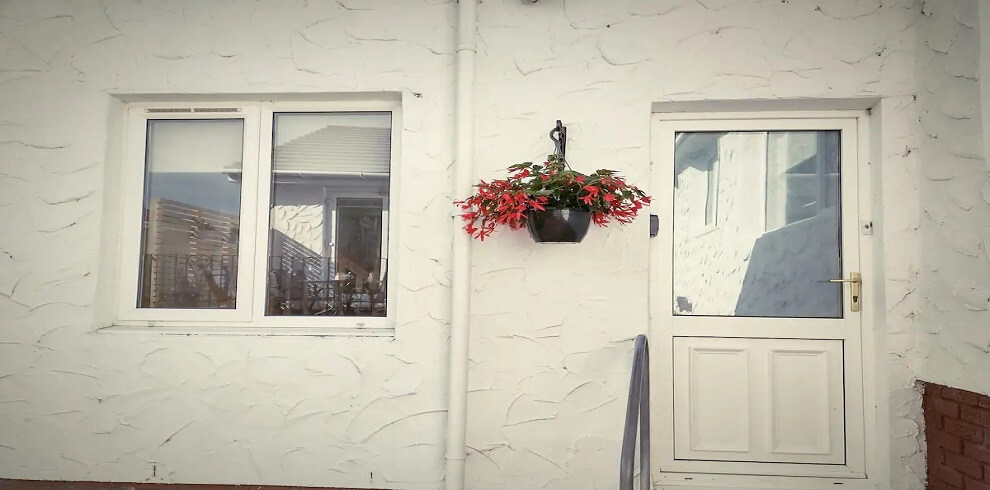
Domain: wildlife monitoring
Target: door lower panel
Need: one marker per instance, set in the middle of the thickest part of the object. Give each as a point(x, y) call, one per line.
point(758, 400)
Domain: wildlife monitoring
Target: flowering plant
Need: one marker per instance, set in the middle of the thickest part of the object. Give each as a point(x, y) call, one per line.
point(537, 187)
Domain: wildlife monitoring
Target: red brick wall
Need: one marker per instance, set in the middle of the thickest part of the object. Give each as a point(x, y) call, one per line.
point(957, 429)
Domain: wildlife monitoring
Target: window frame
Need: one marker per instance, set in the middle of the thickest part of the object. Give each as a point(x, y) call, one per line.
point(256, 192)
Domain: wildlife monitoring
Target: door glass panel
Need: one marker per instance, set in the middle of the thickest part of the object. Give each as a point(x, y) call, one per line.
point(191, 215)
point(757, 224)
point(329, 214)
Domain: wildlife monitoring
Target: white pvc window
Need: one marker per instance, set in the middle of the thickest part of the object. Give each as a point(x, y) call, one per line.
point(257, 215)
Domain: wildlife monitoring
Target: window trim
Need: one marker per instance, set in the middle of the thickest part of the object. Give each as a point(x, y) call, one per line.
point(248, 316)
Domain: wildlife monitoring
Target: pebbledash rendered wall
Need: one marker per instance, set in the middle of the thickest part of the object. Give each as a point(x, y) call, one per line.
point(551, 325)
point(955, 196)
point(74, 404)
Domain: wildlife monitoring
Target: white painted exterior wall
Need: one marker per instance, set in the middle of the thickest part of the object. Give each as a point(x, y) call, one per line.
point(955, 200)
point(351, 412)
point(551, 325)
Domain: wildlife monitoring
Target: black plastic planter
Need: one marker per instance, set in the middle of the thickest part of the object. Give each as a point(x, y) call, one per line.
point(558, 225)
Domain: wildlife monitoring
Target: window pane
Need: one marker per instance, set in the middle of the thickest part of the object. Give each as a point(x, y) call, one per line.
point(192, 199)
point(776, 237)
point(328, 237)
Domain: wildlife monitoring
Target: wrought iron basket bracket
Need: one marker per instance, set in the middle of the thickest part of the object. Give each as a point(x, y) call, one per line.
point(559, 137)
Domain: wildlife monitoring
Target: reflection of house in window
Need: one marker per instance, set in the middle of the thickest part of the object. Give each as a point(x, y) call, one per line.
point(359, 243)
point(743, 266)
point(697, 176)
point(191, 213)
point(711, 200)
point(191, 259)
point(802, 175)
point(329, 214)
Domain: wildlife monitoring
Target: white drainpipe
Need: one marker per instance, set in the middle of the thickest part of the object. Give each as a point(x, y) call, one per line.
point(460, 307)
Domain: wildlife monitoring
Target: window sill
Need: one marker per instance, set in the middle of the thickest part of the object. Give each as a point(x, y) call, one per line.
point(234, 330)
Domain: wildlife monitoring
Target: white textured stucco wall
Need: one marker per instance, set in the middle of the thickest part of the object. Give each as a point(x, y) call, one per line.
point(955, 199)
point(551, 325)
point(353, 412)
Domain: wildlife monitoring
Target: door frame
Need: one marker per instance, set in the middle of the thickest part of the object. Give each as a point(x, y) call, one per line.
point(860, 469)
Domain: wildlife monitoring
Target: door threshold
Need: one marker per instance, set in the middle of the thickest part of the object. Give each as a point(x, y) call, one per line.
point(703, 481)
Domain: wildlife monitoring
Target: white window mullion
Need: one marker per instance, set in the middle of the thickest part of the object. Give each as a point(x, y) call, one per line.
point(263, 209)
point(251, 219)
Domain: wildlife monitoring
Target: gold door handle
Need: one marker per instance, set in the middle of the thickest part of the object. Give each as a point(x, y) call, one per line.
point(855, 289)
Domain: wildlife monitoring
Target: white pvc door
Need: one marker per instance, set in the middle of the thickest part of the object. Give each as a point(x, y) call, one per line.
point(759, 357)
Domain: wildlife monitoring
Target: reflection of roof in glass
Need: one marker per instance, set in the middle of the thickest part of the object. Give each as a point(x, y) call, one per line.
point(336, 149)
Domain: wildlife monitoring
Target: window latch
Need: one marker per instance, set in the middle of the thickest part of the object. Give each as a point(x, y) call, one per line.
point(654, 225)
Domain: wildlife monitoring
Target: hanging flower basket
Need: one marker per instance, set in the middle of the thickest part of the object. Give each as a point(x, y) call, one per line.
point(552, 201)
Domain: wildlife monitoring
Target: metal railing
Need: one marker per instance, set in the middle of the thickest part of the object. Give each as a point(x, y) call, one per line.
point(297, 285)
point(316, 286)
point(189, 280)
point(637, 417)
